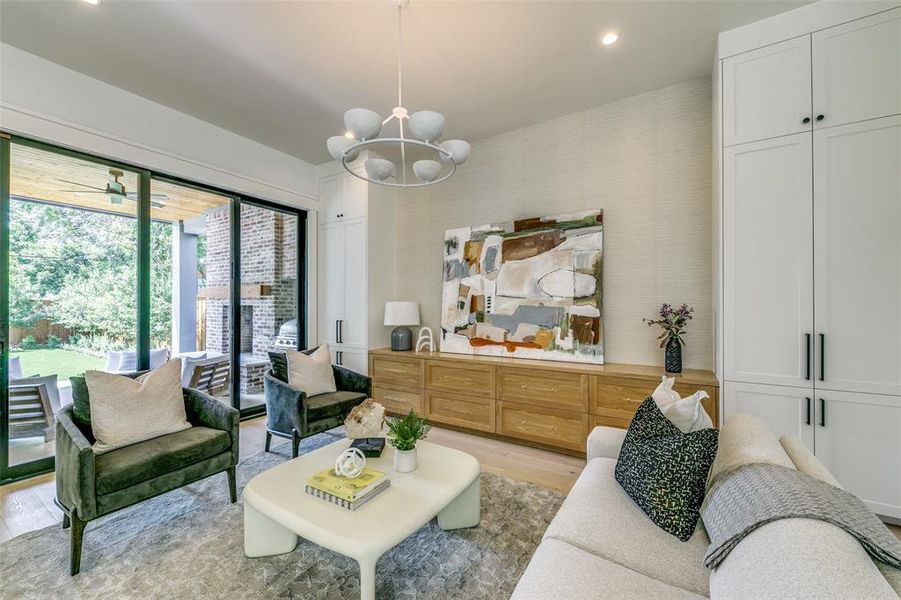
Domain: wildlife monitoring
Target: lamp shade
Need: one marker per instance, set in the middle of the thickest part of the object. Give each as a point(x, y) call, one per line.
point(401, 313)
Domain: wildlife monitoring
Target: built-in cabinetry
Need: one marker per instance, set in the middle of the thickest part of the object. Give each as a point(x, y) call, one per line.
point(810, 293)
point(355, 266)
point(549, 404)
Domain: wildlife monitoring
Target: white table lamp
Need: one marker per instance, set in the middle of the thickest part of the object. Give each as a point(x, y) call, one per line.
point(399, 315)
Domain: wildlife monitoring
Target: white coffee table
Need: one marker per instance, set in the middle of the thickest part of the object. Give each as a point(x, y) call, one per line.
point(277, 509)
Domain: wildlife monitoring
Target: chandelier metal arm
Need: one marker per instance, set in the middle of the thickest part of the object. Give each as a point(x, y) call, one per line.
point(352, 150)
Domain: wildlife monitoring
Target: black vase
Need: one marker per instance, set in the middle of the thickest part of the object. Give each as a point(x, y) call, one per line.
point(673, 359)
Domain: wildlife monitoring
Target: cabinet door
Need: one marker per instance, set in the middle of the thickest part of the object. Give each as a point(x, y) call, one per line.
point(857, 70)
point(352, 359)
point(356, 196)
point(766, 92)
point(768, 261)
point(858, 438)
point(857, 235)
point(353, 321)
point(331, 198)
point(785, 410)
point(331, 289)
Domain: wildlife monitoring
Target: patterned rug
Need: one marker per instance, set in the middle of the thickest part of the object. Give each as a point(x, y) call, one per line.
point(189, 544)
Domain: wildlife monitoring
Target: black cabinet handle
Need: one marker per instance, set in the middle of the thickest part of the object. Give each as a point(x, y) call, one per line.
point(337, 331)
point(822, 357)
point(822, 413)
point(806, 120)
point(807, 353)
point(820, 117)
point(807, 419)
point(340, 331)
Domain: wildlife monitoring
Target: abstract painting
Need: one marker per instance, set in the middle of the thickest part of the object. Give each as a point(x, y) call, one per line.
point(526, 289)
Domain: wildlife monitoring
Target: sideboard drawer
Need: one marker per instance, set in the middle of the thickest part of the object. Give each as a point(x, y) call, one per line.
point(566, 391)
point(463, 411)
point(460, 378)
point(397, 401)
point(401, 370)
point(615, 401)
point(561, 428)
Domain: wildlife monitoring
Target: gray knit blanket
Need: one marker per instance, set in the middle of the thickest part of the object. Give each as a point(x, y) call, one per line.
point(752, 495)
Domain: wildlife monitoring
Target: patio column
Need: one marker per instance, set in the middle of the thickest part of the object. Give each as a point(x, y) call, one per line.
point(184, 289)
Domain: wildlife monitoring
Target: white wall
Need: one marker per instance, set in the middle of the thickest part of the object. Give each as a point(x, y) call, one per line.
point(43, 100)
point(645, 160)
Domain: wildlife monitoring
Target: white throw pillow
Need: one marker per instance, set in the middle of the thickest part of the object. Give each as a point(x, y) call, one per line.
point(687, 414)
point(126, 411)
point(311, 374)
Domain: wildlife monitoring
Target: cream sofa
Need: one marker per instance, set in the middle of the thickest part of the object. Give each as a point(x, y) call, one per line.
point(601, 545)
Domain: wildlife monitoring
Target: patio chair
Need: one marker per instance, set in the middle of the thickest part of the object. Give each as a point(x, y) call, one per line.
point(210, 375)
point(30, 414)
point(15, 368)
point(126, 361)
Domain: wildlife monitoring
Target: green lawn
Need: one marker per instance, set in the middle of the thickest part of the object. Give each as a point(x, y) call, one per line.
point(64, 363)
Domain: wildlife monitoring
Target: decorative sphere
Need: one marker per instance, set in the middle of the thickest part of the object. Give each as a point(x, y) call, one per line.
point(459, 150)
point(350, 463)
point(426, 125)
point(427, 170)
point(363, 123)
point(379, 169)
point(337, 144)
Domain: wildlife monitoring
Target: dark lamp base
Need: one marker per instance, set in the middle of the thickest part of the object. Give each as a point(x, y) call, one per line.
point(401, 338)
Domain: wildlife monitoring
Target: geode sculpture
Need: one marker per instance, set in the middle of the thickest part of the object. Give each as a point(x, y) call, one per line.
point(365, 420)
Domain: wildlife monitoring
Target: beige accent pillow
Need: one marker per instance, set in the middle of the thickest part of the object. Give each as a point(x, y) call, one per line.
point(687, 414)
point(311, 374)
point(126, 411)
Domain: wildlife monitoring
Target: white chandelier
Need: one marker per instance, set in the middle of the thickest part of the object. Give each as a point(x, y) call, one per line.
point(425, 127)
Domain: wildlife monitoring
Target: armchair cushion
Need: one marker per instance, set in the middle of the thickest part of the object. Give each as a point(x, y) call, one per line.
point(81, 401)
point(351, 381)
point(334, 404)
point(279, 362)
point(124, 467)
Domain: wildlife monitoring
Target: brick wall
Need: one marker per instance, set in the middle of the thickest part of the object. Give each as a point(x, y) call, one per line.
point(268, 257)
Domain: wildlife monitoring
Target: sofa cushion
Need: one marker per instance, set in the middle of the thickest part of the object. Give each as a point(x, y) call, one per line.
point(279, 362)
point(600, 518)
point(125, 467)
point(664, 470)
point(561, 570)
point(333, 404)
point(311, 373)
point(745, 440)
point(805, 461)
point(799, 558)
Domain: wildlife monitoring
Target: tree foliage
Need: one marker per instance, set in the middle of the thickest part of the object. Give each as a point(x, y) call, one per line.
point(78, 268)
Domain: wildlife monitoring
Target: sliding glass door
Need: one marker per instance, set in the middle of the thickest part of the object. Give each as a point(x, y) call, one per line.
point(110, 267)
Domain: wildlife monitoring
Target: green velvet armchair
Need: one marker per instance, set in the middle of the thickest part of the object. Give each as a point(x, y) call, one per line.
point(89, 486)
point(291, 414)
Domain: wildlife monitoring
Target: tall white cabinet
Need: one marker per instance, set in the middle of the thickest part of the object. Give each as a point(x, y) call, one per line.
point(809, 210)
point(356, 265)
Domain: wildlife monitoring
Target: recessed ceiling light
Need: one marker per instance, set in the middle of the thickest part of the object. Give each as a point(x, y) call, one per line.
point(94, 2)
point(609, 38)
point(348, 134)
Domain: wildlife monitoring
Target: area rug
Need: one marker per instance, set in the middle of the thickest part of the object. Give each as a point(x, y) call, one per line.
point(189, 544)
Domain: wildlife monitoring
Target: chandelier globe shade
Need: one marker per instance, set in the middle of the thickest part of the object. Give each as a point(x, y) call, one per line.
point(338, 144)
point(427, 170)
point(419, 131)
point(379, 169)
point(458, 151)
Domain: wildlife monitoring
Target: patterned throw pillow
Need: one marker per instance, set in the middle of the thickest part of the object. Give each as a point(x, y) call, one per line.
point(664, 470)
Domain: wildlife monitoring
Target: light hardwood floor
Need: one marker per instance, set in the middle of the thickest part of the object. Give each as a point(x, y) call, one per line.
point(28, 505)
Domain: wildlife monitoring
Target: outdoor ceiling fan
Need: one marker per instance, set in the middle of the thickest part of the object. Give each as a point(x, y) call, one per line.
point(115, 190)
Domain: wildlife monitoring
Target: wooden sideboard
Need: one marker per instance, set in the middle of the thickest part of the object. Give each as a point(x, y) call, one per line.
point(550, 404)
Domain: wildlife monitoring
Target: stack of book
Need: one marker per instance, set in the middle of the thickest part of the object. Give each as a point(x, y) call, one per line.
point(347, 493)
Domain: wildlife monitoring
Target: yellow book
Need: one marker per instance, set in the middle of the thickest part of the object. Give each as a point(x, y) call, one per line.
point(342, 487)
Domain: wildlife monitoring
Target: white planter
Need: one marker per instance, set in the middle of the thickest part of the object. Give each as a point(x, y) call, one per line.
point(405, 460)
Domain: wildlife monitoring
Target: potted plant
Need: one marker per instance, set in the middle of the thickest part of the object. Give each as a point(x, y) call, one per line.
point(672, 321)
point(403, 435)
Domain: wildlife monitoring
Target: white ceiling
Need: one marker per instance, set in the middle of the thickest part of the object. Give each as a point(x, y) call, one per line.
point(283, 72)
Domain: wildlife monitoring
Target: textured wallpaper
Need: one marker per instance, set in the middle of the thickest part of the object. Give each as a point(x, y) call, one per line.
point(645, 160)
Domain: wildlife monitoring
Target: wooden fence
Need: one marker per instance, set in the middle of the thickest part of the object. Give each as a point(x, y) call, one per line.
point(40, 330)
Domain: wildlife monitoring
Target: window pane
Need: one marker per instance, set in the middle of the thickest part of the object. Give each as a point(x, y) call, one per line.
point(189, 283)
point(72, 299)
